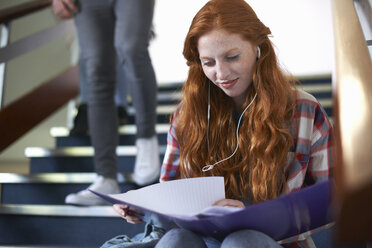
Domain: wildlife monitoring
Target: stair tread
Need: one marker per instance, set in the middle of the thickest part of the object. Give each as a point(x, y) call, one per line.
point(170, 85)
point(326, 103)
point(123, 130)
point(58, 210)
point(173, 95)
point(161, 109)
point(317, 88)
point(79, 151)
point(58, 177)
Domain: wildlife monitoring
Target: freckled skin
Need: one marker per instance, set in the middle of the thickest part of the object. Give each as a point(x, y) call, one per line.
point(228, 61)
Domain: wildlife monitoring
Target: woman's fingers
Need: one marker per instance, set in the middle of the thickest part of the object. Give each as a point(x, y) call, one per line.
point(119, 209)
point(132, 219)
point(128, 213)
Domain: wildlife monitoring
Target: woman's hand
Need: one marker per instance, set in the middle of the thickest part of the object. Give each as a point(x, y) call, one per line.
point(229, 203)
point(128, 213)
point(64, 9)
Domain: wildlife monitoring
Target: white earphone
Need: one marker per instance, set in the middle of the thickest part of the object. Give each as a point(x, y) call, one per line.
point(210, 167)
point(258, 52)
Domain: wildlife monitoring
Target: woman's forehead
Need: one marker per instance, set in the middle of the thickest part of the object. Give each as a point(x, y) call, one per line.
point(218, 40)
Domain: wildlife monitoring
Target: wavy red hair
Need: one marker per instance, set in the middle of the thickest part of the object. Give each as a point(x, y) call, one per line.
point(256, 172)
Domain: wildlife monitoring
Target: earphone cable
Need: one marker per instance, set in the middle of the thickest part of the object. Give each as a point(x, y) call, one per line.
point(210, 167)
point(209, 112)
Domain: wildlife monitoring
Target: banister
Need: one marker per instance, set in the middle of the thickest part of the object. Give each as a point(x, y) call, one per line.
point(26, 112)
point(23, 114)
point(353, 122)
point(36, 40)
point(20, 10)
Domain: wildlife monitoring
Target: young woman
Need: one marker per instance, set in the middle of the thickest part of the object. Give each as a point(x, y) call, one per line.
point(241, 118)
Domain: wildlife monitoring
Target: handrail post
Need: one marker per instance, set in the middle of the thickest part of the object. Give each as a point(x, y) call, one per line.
point(353, 121)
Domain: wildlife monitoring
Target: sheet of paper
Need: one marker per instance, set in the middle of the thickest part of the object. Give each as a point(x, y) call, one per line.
point(183, 197)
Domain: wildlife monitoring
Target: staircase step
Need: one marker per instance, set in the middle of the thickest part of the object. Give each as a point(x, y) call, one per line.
point(169, 97)
point(321, 88)
point(61, 225)
point(315, 79)
point(163, 112)
point(327, 104)
point(127, 136)
point(50, 188)
point(170, 87)
point(164, 97)
point(78, 159)
point(316, 88)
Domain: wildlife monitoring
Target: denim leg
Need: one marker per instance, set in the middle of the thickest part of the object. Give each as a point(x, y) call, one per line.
point(212, 242)
point(121, 86)
point(83, 95)
point(120, 93)
point(132, 33)
point(180, 238)
point(247, 239)
point(95, 26)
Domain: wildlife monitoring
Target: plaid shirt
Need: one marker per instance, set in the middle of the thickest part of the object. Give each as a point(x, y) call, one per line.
point(309, 161)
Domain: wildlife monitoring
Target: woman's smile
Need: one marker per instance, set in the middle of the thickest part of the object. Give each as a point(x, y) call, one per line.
point(228, 84)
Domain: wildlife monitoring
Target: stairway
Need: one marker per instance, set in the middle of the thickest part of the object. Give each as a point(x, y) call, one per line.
point(32, 209)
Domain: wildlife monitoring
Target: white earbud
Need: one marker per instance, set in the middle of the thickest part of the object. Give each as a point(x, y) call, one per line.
point(258, 52)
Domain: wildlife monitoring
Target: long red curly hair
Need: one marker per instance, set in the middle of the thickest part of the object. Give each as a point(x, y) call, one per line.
point(256, 172)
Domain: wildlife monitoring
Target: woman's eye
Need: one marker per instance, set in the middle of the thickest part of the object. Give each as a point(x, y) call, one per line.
point(231, 58)
point(207, 63)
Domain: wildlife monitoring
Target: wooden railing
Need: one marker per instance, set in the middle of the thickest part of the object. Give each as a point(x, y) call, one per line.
point(20, 10)
point(353, 122)
point(24, 113)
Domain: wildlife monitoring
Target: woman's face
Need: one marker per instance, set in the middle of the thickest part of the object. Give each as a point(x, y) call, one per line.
point(228, 61)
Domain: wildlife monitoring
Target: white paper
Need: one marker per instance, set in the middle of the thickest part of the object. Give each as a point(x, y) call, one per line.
point(184, 197)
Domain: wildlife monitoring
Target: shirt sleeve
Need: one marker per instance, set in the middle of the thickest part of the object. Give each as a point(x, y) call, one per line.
point(320, 161)
point(171, 164)
point(310, 160)
point(311, 157)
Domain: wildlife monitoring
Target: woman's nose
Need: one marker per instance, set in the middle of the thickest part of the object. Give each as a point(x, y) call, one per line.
point(222, 71)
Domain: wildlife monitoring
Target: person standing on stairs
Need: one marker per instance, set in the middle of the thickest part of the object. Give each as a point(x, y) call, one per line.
point(108, 29)
point(80, 123)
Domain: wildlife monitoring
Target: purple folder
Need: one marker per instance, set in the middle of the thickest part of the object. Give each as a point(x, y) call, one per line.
point(280, 218)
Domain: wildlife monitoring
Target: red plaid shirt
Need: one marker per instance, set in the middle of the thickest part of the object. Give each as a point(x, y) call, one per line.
point(309, 162)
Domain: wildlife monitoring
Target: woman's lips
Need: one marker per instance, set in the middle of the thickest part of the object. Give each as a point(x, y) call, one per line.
point(228, 84)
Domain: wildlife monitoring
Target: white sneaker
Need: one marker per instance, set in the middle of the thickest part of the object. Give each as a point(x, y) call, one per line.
point(147, 166)
point(87, 198)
